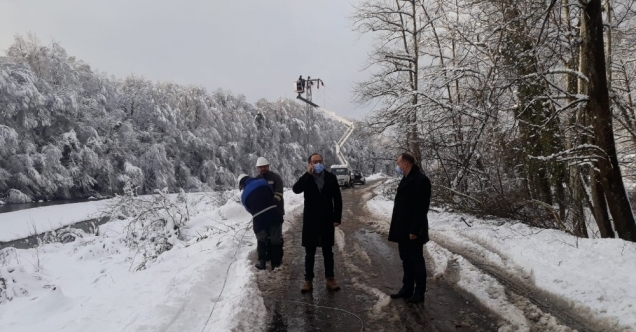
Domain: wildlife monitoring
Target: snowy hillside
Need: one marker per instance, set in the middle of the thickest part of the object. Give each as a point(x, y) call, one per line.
point(69, 131)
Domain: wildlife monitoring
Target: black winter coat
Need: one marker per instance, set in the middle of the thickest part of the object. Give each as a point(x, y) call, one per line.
point(322, 209)
point(410, 208)
point(276, 183)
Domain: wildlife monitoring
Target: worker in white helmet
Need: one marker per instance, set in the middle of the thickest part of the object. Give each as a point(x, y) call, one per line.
point(276, 183)
point(274, 180)
point(258, 199)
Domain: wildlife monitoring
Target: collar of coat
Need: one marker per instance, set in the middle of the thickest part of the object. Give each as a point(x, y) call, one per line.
point(409, 178)
point(313, 181)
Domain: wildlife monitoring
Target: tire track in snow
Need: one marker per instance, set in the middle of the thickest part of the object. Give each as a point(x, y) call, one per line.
point(575, 316)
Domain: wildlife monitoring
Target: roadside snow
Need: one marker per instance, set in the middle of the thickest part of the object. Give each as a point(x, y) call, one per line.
point(593, 276)
point(205, 283)
point(376, 176)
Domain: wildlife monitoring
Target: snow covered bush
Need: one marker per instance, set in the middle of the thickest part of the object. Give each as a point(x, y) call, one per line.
point(389, 188)
point(64, 235)
point(14, 279)
point(154, 222)
point(16, 197)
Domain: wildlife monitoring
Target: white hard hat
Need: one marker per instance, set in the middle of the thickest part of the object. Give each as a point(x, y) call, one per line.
point(240, 177)
point(261, 162)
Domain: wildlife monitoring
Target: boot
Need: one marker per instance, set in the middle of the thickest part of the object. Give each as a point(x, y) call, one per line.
point(332, 285)
point(261, 265)
point(416, 298)
point(276, 255)
point(307, 287)
point(402, 294)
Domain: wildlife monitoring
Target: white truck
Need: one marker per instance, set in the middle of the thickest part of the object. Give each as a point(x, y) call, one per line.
point(343, 174)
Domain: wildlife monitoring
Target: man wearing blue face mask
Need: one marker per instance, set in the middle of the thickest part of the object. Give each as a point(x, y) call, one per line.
point(321, 215)
point(409, 227)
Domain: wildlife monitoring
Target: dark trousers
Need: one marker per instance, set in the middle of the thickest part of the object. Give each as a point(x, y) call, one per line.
point(264, 249)
point(269, 243)
point(412, 256)
point(310, 259)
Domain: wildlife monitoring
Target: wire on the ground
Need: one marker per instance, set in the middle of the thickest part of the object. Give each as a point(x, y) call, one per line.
point(227, 274)
point(325, 307)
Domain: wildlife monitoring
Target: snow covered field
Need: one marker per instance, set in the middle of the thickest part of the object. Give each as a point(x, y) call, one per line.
point(20, 224)
point(592, 277)
point(204, 283)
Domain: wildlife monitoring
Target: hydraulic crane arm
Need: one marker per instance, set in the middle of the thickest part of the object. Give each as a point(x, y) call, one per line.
point(343, 139)
point(350, 126)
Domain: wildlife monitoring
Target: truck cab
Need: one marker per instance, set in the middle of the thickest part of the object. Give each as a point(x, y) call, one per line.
point(343, 174)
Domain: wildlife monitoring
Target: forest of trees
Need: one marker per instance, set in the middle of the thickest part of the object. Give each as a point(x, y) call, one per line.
point(67, 131)
point(521, 109)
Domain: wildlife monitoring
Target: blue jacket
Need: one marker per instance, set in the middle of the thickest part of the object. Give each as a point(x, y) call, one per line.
point(258, 196)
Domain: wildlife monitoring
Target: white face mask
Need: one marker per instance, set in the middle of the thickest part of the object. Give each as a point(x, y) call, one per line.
point(398, 170)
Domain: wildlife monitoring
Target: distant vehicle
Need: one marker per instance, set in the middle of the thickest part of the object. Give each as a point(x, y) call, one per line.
point(343, 174)
point(358, 177)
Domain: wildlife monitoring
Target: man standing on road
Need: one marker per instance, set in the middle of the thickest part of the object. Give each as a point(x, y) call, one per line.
point(258, 200)
point(409, 227)
point(321, 215)
point(276, 183)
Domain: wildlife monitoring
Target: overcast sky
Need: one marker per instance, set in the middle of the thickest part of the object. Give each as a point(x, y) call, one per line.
point(251, 47)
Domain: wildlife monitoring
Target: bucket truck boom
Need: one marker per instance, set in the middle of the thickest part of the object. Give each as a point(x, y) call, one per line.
point(305, 86)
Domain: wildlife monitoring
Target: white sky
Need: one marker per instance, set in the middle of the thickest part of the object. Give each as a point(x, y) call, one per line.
point(251, 47)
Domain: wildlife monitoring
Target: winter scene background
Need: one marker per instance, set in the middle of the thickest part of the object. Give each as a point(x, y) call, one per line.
point(521, 113)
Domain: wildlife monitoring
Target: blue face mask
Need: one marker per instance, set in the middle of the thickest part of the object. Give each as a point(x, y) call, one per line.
point(318, 168)
point(398, 170)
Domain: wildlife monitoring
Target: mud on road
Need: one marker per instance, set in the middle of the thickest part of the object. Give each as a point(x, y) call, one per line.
point(368, 268)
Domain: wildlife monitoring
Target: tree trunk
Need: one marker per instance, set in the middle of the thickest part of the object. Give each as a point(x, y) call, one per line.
point(608, 42)
point(415, 139)
point(592, 48)
point(573, 87)
point(538, 128)
point(600, 206)
point(597, 203)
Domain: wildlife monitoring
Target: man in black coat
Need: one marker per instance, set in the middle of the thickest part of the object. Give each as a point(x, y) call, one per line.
point(321, 215)
point(409, 227)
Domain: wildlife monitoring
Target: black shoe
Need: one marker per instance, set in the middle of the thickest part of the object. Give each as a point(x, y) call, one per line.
point(276, 252)
point(416, 298)
point(260, 265)
point(401, 294)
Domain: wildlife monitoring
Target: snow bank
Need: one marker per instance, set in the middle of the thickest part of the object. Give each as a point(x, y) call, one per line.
point(205, 283)
point(376, 176)
point(594, 276)
point(92, 289)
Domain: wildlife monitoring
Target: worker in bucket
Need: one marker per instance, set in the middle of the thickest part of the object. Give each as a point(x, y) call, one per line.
point(276, 183)
point(258, 199)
